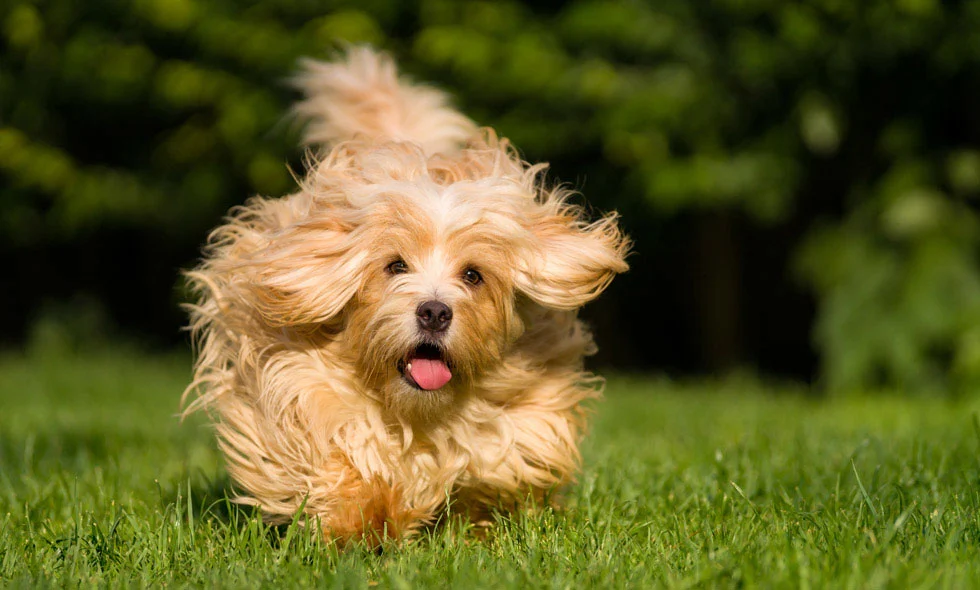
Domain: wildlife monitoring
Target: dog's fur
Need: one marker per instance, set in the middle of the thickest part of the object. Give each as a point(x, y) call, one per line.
point(304, 324)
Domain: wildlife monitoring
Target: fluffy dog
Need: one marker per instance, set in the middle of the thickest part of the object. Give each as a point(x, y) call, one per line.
point(399, 335)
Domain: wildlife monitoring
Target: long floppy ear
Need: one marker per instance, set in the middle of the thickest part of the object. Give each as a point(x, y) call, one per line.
point(275, 260)
point(306, 274)
point(571, 261)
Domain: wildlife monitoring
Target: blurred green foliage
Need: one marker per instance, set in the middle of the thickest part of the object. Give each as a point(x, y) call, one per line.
point(862, 115)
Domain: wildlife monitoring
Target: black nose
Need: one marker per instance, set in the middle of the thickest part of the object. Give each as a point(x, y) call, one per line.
point(434, 316)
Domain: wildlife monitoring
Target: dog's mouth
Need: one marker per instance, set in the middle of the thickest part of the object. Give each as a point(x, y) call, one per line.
point(426, 367)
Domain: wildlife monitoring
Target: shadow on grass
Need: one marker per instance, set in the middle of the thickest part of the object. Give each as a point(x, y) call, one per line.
point(214, 501)
point(210, 500)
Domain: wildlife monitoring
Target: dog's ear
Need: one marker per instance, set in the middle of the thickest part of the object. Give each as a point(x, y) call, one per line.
point(305, 274)
point(570, 261)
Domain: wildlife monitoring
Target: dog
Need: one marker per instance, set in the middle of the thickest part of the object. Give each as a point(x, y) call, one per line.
point(399, 339)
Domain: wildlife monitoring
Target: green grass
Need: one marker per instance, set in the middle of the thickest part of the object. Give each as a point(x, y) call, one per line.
point(722, 485)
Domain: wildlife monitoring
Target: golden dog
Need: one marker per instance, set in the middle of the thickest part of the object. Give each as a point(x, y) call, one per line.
point(400, 335)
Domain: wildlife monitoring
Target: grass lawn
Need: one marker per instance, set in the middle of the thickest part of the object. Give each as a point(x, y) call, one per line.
point(725, 484)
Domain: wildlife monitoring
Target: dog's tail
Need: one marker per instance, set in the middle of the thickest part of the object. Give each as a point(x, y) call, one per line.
point(362, 95)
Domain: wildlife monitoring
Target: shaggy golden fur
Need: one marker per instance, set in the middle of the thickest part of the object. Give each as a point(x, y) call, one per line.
point(308, 318)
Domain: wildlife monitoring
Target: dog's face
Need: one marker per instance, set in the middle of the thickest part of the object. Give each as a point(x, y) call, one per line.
point(424, 278)
point(437, 303)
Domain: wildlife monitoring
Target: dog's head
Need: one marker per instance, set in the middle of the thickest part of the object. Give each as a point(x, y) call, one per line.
point(420, 267)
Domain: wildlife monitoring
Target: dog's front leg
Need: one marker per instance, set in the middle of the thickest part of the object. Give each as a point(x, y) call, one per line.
point(373, 511)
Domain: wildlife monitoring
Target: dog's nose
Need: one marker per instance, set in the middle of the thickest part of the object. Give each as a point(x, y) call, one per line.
point(434, 316)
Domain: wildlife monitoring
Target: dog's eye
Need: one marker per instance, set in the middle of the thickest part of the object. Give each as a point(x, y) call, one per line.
point(397, 267)
point(472, 277)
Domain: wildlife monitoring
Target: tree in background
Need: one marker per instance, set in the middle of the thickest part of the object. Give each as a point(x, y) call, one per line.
point(849, 129)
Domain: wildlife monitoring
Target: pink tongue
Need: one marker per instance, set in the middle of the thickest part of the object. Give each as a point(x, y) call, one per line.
point(430, 373)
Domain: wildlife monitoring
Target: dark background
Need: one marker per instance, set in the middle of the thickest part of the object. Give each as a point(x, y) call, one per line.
point(800, 178)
